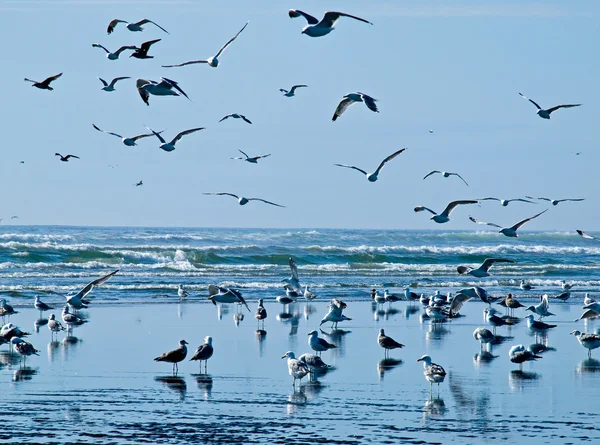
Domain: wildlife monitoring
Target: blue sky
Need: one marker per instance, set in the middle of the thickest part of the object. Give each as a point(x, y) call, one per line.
point(454, 69)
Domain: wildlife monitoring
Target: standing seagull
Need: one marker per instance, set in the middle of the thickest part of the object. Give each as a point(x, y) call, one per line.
point(174, 356)
point(251, 160)
point(292, 92)
point(545, 114)
point(319, 344)
point(130, 142)
point(214, 60)
point(518, 354)
point(297, 369)
point(372, 177)
point(542, 308)
point(66, 158)
point(40, 305)
point(203, 353)
point(181, 292)
point(484, 336)
point(351, 98)
point(316, 28)
point(23, 348)
point(137, 26)
point(44, 85)
point(387, 343)
point(433, 373)
point(261, 312)
point(444, 217)
point(166, 87)
point(482, 271)
point(116, 54)
point(111, 87)
point(505, 202)
point(445, 175)
point(588, 341)
point(71, 319)
point(142, 51)
point(236, 116)
point(511, 232)
point(170, 146)
point(54, 325)
point(243, 201)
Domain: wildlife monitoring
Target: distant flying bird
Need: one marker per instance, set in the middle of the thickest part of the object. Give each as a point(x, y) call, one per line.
point(253, 159)
point(236, 116)
point(508, 231)
point(585, 235)
point(137, 26)
point(142, 51)
point(44, 85)
point(111, 87)
point(316, 28)
point(243, 201)
point(430, 131)
point(116, 54)
point(214, 60)
point(170, 146)
point(137, 184)
point(445, 174)
point(482, 271)
point(292, 92)
point(445, 215)
point(14, 217)
point(557, 201)
point(66, 158)
point(351, 98)
point(165, 87)
point(545, 114)
point(505, 202)
point(130, 142)
point(372, 177)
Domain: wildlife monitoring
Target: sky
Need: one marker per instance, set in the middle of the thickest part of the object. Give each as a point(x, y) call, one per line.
point(455, 69)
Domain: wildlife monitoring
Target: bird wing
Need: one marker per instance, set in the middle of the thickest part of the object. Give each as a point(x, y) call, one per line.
point(245, 118)
point(544, 302)
point(570, 199)
point(293, 13)
point(530, 100)
point(457, 302)
point(146, 45)
point(145, 135)
point(243, 153)
point(389, 158)
point(103, 81)
point(521, 200)
point(421, 208)
point(369, 102)
point(231, 40)
point(183, 133)
point(173, 84)
point(140, 83)
point(107, 132)
point(453, 204)
point(456, 174)
point(294, 269)
point(123, 48)
point(489, 199)
point(263, 156)
point(345, 103)
point(296, 86)
point(88, 287)
point(97, 45)
point(222, 193)
point(543, 199)
point(185, 63)
point(112, 24)
point(484, 223)
point(116, 79)
point(52, 79)
point(585, 235)
point(550, 110)
point(160, 138)
point(265, 201)
point(225, 117)
point(331, 17)
point(144, 21)
point(490, 261)
point(71, 156)
point(351, 166)
point(431, 173)
point(520, 223)
point(29, 80)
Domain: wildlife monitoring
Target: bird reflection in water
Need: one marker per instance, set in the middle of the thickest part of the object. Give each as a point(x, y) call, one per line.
point(222, 310)
point(588, 366)
point(436, 332)
point(261, 336)
point(8, 358)
point(174, 383)
point(23, 374)
point(39, 323)
point(434, 407)
point(540, 348)
point(386, 365)
point(519, 380)
point(290, 317)
point(336, 336)
point(296, 400)
point(205, 384)
point(410, 310)
point(52, 350)
point(308, 310)
point(180, 311)
point(238, 317)
point(483, 357)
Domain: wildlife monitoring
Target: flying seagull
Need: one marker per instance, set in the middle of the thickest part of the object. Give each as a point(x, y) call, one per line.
point(316, 28)
point(508, 231)
point(482, 271)
point(214, 60)
point(292, 92)
point(137, 26)
point(252, 160)
point(555, 202)
point(130, 142)
point(545, 114)
point(351, 98)
point(236, 116)
point(45, 84)
point(111, 87)
point(170, 146)
point(166, 87)
point(372, 177)
point(116, 54)
point(243, 201)
point(142, 51)
point(445, 215)
point(66, 158)
point(137, 184)
point(505, 202)
point(445, 175)
point(584, 235)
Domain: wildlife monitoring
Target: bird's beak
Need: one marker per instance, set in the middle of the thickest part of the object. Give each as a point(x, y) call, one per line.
point(284, 356)
point(418, 359)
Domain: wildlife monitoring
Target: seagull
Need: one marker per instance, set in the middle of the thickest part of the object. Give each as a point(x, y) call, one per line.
point(130, 142)
point(236, 116)
point(525, 286)
point(334, 315)
point(308, 294)
point(433, 373)
point(565, 285)
point(315, 364)
point(387, 343)
point(111, 87)
point(484, 336)
point(54, 325)
point(584, 235)
point(181, 292)
point(292, 91)
point(285, 300)
point(493, 320)
point(170, 146)
point(45, 84)
point(23, 348)
point(511, 232)
point(261, 312)
point(214, 60)
point(372, 177)
point(218, 294)
point(316, 28)
point(444, 217)
point(505, 202)
point(166, 87)
point(293, 281)
point(557, 201)
point(390, 298)
point(174, 356)
point(587, 299)
point(538, 326)
point(117, 53)
point(542, 308)
point(563, 296)
point(6, 309)
point(518, 354)
point(445, 175)
point(319, 344)
point(77, 301)
point(137, 26)
point(351, 98)
point(545, 114)
point(142, 51)
point(203, 353)
point(71, 319)
point(251, 160)
point(66, 158)
point(243, 201)
point(40, 305)
point(297, 369)
point(588, 341)
point(140, 182)
point(482, 271)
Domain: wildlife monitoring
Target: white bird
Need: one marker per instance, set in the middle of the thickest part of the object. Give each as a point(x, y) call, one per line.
point(445, 175)
point(505, 202)
point(587, 299)
point(251, 160)
point(218, 294)
point(444, 217)
point(293, 281)
point(116, 54)
point(538, 326)
point(476, 292)
point(493, 320)
point(242, 200)
point(6, 309)
point(181, 292)
point(136, 26)
point(372, 177)
point(23, 348)
point(484, 336)
point(566, 286)
point(511, 232)
point(203, 353)
point(170, 146)
point(316, 28)
point(77, 301)
point(111, 87)
point(292, 91)
point(588, 341)
point(482, 271)
point(71, 319)
point(54, 325)
point(166, 87)
point(130, 142)
point(434, 373)
point(297, 369)
point(285, 299)
point(236, 116)
point(40, 305)
point(542, 308)
point(555, 202)
point(518, 354)
point(314, 363)
point(308, 294)
point(545, 114)
point(584, 235)
point(352, 98)
point(214, 60)
point(11, 330)
point(261, 312)
point(334, 315)
point(319, 344)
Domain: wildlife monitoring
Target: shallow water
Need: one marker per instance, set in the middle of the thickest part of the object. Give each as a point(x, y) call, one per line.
point(105, 387)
